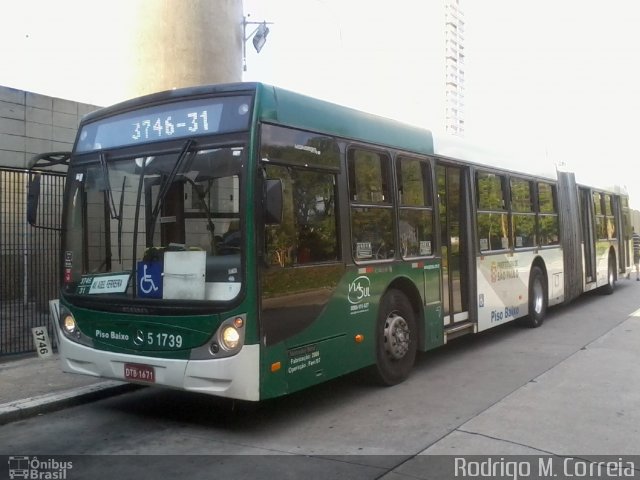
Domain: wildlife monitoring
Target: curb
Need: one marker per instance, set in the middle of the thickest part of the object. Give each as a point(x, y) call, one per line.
point(29, 407)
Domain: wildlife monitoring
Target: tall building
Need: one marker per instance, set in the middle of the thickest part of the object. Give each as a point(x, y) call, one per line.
point(454, 68)
point(402, 60)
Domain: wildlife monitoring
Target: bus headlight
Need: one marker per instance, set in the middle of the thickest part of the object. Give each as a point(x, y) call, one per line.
point(230, 337)
point(69, 327)
point(227, 340)
point(69, 323)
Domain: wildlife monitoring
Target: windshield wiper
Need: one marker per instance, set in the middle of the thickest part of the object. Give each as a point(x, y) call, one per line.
point(164, 187)
point(107, 186)
point(120, 209)
point(202, 196)
point(136, 219)
point(108, 194)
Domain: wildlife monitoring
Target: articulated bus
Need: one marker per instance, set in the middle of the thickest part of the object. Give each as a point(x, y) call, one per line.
point(246, 241)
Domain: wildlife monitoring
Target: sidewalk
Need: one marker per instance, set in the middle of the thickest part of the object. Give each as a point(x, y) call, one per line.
point(587, 404)
point(31, 385)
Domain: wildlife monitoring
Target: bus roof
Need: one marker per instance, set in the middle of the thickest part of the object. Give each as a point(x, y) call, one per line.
point(176, 94)
point(288, 108)
point(285, 107)
point(522, 163)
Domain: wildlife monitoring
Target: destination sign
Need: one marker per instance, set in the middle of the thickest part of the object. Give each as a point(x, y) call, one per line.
point(103, 283)
point(167, 121)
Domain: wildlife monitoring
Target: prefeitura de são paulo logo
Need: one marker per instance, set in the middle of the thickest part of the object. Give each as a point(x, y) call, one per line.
point(38, 468)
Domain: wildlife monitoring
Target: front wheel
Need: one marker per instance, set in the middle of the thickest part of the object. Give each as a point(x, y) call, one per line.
point(396, 338)
point(537, 299)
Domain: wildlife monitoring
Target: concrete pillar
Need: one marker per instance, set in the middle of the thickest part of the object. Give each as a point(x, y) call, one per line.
point(183, 43)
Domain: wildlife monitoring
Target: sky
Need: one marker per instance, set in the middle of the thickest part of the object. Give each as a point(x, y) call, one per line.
point(547, 81)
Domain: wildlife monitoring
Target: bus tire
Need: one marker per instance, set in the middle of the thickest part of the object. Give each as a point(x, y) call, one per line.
point(396, 339)
point(611, 276)
point(537, 299)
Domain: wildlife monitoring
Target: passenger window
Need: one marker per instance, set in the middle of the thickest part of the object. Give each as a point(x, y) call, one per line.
point(413, 182)
point(372, 219)
point(610, 219)
point(490, 189)
point(308, 232)
point(548, 227)
point(601, 221)
point(546, 198)
point(415, 212)
point(369, 177)
point(523, 219)
point(493, 225)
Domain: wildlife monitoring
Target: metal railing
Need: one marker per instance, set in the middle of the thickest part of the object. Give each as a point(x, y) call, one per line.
point(29, 258)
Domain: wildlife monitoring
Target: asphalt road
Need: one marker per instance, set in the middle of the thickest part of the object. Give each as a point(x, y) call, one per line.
point(347, 428)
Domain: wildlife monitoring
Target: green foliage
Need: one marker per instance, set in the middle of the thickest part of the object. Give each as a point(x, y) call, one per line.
point(308, 230)
point(278, 281)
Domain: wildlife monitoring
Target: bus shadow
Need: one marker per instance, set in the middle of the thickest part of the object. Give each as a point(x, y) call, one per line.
point(194, 409)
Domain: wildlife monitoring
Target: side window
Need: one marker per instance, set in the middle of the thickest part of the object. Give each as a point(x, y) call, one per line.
point(598, 210)
point(523, 218)
point(548, 228)
point(303, 249)
point(610, 219)
point(597, 203)
point(369, 177)
point(308, 232)
point(415, 209)
point(493, 226)
point(372, 223)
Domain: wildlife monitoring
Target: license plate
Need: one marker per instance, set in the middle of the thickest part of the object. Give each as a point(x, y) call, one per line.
point(139, 373)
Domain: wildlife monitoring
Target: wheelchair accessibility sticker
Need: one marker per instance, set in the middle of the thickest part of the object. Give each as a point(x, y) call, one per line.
point(149, 278)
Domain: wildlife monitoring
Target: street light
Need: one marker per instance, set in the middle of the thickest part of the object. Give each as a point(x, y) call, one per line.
point(259, 35)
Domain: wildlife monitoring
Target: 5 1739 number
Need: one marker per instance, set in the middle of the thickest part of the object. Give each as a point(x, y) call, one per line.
point(164, 340)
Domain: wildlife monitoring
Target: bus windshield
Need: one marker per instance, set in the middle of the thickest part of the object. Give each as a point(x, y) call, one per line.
point(161, 227)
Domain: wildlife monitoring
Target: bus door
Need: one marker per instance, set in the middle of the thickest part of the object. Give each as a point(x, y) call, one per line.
point(622, 232)
point(454, 246)
point(588, 234)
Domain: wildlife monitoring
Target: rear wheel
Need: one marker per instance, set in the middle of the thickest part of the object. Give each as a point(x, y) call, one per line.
point(611, 277)
point(396, 338)
point(537, 299)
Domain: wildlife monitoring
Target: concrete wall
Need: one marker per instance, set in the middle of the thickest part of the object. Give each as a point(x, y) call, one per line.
point(31, 123)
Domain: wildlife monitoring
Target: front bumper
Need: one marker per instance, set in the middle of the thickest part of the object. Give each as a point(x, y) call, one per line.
point(235, 377)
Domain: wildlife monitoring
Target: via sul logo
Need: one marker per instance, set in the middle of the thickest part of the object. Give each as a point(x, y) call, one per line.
point(359, 289)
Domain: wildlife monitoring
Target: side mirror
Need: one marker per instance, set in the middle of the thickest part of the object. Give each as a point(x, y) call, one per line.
point(33, 198)
point(273, 201)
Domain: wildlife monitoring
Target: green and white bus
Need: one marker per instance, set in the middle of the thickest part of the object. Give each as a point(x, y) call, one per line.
point(247, 242)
